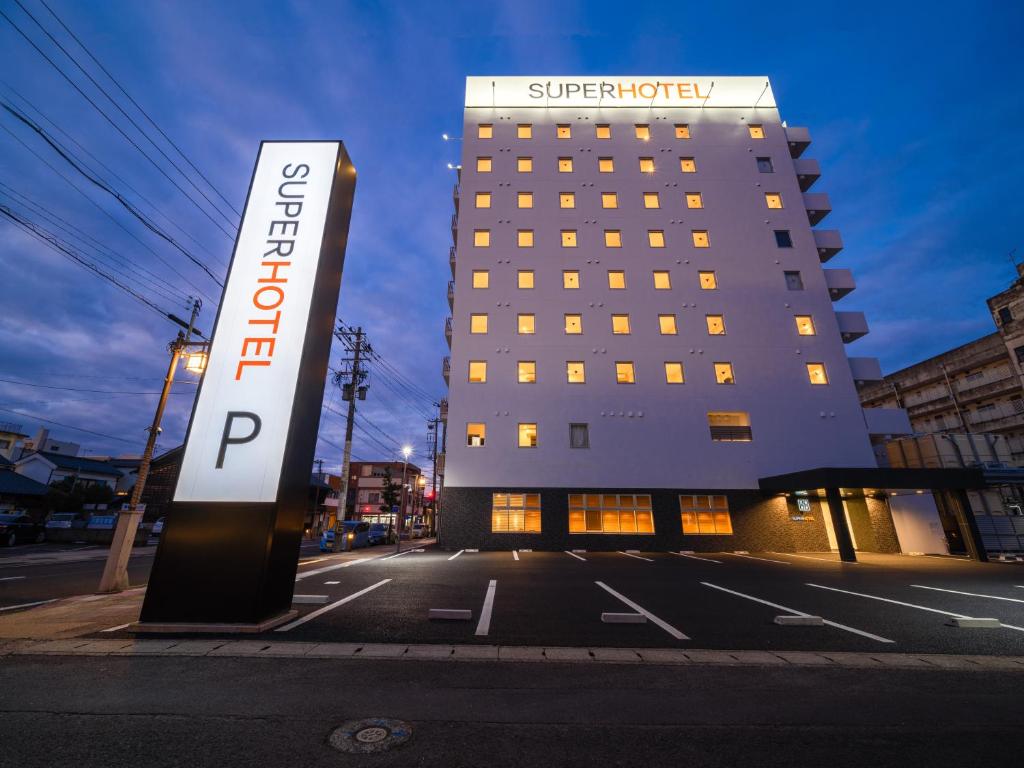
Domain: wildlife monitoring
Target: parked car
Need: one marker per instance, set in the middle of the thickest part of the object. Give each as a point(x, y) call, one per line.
point(20, 529)
point(158, 528)
point(63, 519)
point(381, 533)
point(419, 531)
point(351, 534)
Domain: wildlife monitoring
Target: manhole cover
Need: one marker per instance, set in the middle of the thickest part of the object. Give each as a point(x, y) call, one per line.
point(375, 734)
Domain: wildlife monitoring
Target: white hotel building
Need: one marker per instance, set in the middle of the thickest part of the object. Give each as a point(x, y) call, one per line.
point(642, 326)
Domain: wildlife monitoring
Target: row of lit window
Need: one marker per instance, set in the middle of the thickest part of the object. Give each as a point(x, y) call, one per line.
point(641, 131)
point(526, 324)
point(772, 200)
point(485, 164)
point(625, 372)
point(708, 279)
point(612, 238)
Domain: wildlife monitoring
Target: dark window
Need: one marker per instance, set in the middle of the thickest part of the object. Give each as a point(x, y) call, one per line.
point(793, 281)
point(782, 238)
point(1005, 316)
point(579, 436)
point(764, 165)
point(1020, 354)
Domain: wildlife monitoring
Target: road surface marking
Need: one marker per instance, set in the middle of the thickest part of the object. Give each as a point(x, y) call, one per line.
point(331, 607)
point(752, 557)
point(628, 554)
point(694, 557)
point(907, 605)
point(332, 582)
point(27, 605)
point(397, 554)
point(573, 554)
point(969, 594)
point(456, 554)
point(808, 557)
point(954, 558)
point(515, 555)
point(119, 626)
point(326, 568)
point(484, 626)
point(11, 578)
point(795, 612)
point(314, 560)
point(650, 616)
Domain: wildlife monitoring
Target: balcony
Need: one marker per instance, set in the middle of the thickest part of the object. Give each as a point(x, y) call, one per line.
point(448, 331)
point(828, 242)
point(865, 369)
point(446, 369)
point(451, 259)
point(456, 194)
point(852, 325)
point(968, 392)
point(444, 409)
point(818, 206)
point(840, 283)
point(799, 139)
point(807, 172)
point(455, 227)
point(887, 421)
point(451, 295)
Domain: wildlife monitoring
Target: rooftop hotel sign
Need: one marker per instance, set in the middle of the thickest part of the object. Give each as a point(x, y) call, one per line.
point(229, 549)
point(619, 91)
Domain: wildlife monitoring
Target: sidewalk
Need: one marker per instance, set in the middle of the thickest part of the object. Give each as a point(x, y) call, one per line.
point(73, 616)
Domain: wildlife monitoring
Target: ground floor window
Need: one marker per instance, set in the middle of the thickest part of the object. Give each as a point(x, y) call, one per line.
point(610, 513)
point(705, 514)
point(515, 513)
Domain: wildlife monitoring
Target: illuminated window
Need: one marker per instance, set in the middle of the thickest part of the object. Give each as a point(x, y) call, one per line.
point(773, 199)
point(624, 373)
point(575, 373)
point(609, 200)
point(565, 165)
point(567, 200)
point(579, 436)
point(563, 131)
point(524, 164)
point(515, 513)
point(646, 165)
point(526, 371)
point(612, 238)
point(816, 373)
point(478, 323)
point(616, 279)
point(620, 324)
point(483, 199)
point(570, 279)
point(793, 281)
point(574, 324)
point(662, 281)
point(605, 165)
point(485, 131)
point(610, 513)
point(756, 131)
point(643, 132)
point(483, 165)
point(716, 325)
point(730, 426)
point(656, 238)
point(723, 373)
point(805, 325)
point(524, 238)
point(667, 325)
point(687, 165)
point(527, 435)
point(700, 238)
point(651, 200)
point(674, 373)
point(477, 371)
point(568, 238)
point(525, 278)
point(475, 434)
point(682, 131)
point(603, 131)
point(525, 199)
point(524, 131)
point(708, 281)
point(481, 278)
point(764, 165)
point(705, 515)
point(694, 200)
point(481, 238)
point(526, 324)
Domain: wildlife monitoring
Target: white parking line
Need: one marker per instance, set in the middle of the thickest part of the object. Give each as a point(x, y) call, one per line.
point(650, 616)
point(809, 557)
point(694, 557)
point(331, 607)
point(907, 605)
point(327, 568)
point(332, 583)
point(27, 605)
point(11, 578)
point(629, 554)
point(752, 557)
point(119, 626)
point(515, 555)
point(397, 554)
point(484, 625)
point(456, 554)
point(969, 594)
point(573, 554)
point(311, 561)
point(795, 612)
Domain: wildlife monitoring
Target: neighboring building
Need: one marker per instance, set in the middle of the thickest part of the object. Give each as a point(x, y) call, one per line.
point(11, 438)
point(18, 492)
point(42, 443)
point(52, 468)
point(366, 481)
point(642, 328)
point(160, 483)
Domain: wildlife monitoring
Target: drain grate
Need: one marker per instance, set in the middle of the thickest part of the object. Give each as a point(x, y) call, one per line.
point(375, 734)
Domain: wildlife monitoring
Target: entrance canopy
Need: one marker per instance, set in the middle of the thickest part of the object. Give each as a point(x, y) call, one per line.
point(875, 477)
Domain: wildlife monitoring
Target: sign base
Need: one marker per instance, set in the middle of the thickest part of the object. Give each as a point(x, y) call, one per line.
point(212, 629)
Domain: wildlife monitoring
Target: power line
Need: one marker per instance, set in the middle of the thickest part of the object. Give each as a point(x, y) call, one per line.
point(369, 423)
point(66, 426)
point(77, 389)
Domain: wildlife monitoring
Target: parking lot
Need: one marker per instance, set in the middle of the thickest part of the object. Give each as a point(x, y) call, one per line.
point(719, 601)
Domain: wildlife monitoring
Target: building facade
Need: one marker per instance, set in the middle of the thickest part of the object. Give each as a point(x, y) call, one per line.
point(365, 488)
point(641, 324)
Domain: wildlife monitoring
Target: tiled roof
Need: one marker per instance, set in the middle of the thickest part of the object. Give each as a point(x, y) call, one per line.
point(12, 483)
point(78, 463)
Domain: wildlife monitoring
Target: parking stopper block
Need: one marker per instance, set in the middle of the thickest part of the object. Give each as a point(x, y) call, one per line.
point(800, 621)
point(450, 614)
point(623, 618)
point(969, 622)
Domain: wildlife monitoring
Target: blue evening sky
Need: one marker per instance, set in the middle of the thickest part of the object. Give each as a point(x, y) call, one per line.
point(915, 112)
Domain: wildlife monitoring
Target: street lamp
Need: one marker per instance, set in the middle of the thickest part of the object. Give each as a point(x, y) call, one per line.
point(195, 361)
point(406, 452)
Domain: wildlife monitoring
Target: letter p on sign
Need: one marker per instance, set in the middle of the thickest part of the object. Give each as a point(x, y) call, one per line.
point(230, 438)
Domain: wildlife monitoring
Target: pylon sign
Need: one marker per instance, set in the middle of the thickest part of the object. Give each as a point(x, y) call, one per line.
point(230, 545)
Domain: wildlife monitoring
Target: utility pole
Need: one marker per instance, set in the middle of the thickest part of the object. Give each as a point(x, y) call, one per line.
point(355, 342)
point(115, 572)
point(432, 428)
